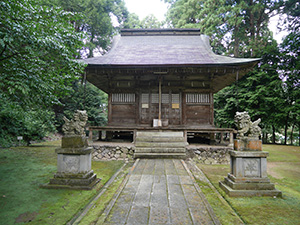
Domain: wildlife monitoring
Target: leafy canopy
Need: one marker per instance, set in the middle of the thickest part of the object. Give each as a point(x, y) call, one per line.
point(38, 46)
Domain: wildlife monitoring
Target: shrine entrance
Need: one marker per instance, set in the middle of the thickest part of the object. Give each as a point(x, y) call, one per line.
point(170, 108)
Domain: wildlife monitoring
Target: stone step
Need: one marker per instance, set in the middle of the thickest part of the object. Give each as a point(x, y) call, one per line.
point(248, 193)
point(159, 134)
point(160, 155)
point(249, 186)
point(160, 144)
point(162, 150)
point(160, 139)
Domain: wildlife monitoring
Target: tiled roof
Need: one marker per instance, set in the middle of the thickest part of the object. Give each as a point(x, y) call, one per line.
point(165, 47)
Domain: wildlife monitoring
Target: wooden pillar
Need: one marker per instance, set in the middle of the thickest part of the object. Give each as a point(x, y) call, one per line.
point(134, 136)
point(109, 108)
point(221, 137)
point(159, 99)
point(211, 108)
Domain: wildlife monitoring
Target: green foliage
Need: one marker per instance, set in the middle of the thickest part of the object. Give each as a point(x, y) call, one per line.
point(31, 124)
point(96, 21)
point(259, 93)
point(89, 98)
point(239, 27)
point(291, 9)
point(37, 50)
point(149, 22)
point(290, 72)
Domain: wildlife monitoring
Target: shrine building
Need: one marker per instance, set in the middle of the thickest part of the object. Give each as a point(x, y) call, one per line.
point(163, 80)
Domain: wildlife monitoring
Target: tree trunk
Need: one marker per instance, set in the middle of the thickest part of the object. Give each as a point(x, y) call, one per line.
point(273, 135)
point(265, 138)
point(286, 128)
point(299, 133)
point(292, 134)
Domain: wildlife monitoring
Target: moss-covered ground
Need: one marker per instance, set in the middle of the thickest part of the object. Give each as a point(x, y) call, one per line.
point(283, 170)
point(24, 169)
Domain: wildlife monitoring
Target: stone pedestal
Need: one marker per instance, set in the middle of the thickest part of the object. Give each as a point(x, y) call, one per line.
point(247, 144)
point(248, 175)
point(74, 165)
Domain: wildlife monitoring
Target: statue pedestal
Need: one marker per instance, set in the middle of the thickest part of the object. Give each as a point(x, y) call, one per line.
point(247, 144)
point(248, 175)
point(74, 165)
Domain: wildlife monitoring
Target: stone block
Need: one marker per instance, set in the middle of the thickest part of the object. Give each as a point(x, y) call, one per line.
point(248, 175)
point(249, 193)
point(74, 165)
point(74, 142)
point(247, 144)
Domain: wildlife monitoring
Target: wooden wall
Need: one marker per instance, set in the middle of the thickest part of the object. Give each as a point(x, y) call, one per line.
point(179, 108)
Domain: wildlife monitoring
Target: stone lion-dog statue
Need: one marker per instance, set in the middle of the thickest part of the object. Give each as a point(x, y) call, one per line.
point(76, 125)
point(246, 128)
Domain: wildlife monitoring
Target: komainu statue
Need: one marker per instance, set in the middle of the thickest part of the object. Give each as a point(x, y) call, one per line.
point(246, 127)
point(76, 125)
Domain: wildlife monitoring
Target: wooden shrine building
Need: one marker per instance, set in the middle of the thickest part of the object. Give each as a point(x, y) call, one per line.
point(163, 79)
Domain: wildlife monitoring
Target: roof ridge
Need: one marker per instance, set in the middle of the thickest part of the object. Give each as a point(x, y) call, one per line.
point(161, 32)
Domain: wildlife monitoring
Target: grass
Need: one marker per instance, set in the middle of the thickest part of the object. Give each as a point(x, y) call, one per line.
point(284, 171)
point(24, 169)
point(93, 215)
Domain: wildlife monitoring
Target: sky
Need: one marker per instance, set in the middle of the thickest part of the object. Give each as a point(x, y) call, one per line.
point(144, 8)
point(158, 8)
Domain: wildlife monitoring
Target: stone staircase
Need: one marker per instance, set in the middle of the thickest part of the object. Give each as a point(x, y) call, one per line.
point(160, 145)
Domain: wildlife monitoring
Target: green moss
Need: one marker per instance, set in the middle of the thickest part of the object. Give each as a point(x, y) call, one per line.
point(95, 214)
point(282, 153)
point(223, 211)
point(24, 169)
point(266, 210)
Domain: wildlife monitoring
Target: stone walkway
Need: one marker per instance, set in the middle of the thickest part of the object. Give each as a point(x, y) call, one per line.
point(159, 191)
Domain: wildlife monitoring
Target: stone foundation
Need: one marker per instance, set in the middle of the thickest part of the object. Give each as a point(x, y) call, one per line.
point(112, 152)
point(204, 154)
point(210, 154)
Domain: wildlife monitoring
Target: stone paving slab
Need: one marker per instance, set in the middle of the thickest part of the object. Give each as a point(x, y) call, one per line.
point(160, 191)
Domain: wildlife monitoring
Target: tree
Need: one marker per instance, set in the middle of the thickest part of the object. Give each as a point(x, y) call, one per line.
point(37, 51)
point(291, 9)
point(239, 27)
point(132, 22)
point(290, 72)
point(38, 48)
point(149, 22)
point(89, 98)
point(96, 21)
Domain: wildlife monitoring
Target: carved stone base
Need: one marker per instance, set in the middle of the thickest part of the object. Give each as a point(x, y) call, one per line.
point(248, 176)
point(250, 190)
point(85, 181)
point(74, 165)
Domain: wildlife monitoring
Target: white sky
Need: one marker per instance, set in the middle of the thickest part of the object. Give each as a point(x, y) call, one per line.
point(158, 8)
point(144, 8)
